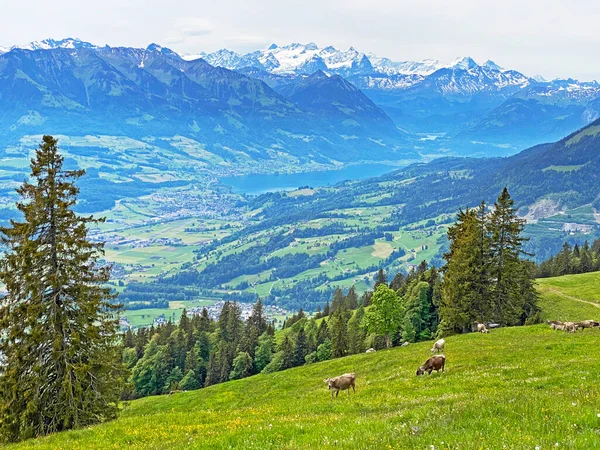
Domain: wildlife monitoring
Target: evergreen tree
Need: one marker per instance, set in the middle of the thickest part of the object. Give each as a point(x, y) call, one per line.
point(397, 281)
point(322, 332)
point(189, 382)
point(513, 294)
point(172, 381)
point(287, 350)
point(366, 298)
point(351, 299)
point(129, 339)
point(461, 302)
point(311, 331)
point(356, 333)
point(61, 364)
point(385, 315)
point(242, 366)
point(151, 371)
point(380, 279)
point(338, 302)
point(416, 305)
point(337, 330)
point(587, 264)
point(255, 326)
point(264, 351)
point(213, 372)
point(301, 348)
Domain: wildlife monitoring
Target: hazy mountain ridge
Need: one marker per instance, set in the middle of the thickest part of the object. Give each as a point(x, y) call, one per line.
point(83, 89)
point(474, 105)
point(459, 108)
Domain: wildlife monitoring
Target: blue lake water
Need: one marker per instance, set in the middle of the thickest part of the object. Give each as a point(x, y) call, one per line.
point(259, 184)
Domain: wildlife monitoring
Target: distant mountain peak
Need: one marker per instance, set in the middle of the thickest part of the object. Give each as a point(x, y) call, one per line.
point(51, 44)
point(464, 63)
point(489, 64)
point(272, 47)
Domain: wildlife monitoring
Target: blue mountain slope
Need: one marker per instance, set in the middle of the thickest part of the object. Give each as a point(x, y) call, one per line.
point(153, 92)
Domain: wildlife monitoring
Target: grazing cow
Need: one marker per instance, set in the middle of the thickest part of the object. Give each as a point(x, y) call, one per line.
point(438, 346)
point(481, 328)
point(341, 383)
point(559, 327)
point(571, 327)
point(587, 324)
point(436, 362)
point(405, 343)
point(371, 350)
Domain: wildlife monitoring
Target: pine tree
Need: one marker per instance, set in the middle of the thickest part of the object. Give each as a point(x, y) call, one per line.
point(129, 339)
point(587, 264)
point(242, 366)
point(513, 294)
point(338, 302)
point(61, 359)
point(356, 333)
point(337, 330)
point(255, 326)
point(322, 332)
point(301, 348)
point(461, 301)
point(172, 381)
point(264, 351)
point(287, 350)
point(351, 299)
point(397, 281)
point(189, 382)
point(381, 278)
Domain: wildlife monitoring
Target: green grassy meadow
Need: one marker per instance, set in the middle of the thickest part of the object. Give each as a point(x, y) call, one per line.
point(517, 388)
point(570, 297)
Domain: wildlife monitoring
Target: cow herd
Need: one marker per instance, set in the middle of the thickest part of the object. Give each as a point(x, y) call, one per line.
point(436, 362)
point(572, 327)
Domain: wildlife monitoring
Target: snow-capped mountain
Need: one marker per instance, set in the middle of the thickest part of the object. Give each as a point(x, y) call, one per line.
point(301, 58)
point(50, 44)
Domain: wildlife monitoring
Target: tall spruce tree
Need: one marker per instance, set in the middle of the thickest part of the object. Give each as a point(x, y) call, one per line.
point(61, 359)
point(461, 302)
point(513, 294)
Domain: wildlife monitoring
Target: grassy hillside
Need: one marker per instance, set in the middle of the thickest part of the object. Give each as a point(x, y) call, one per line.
point(515, 388)
point(570, 297)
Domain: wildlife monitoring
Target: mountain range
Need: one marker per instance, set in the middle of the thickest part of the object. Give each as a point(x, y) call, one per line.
point(476, 109)
point(293, 106)
point(73, 88)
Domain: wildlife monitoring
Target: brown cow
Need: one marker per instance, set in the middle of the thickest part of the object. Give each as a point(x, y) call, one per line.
point(587, 324)
point(341, 383)
point(436, 362)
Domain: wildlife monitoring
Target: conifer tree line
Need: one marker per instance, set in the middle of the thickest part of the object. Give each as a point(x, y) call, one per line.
point(571, 260)
point(199, 351)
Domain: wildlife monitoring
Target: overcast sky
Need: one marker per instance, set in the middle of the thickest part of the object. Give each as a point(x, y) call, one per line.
point(554, 38)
